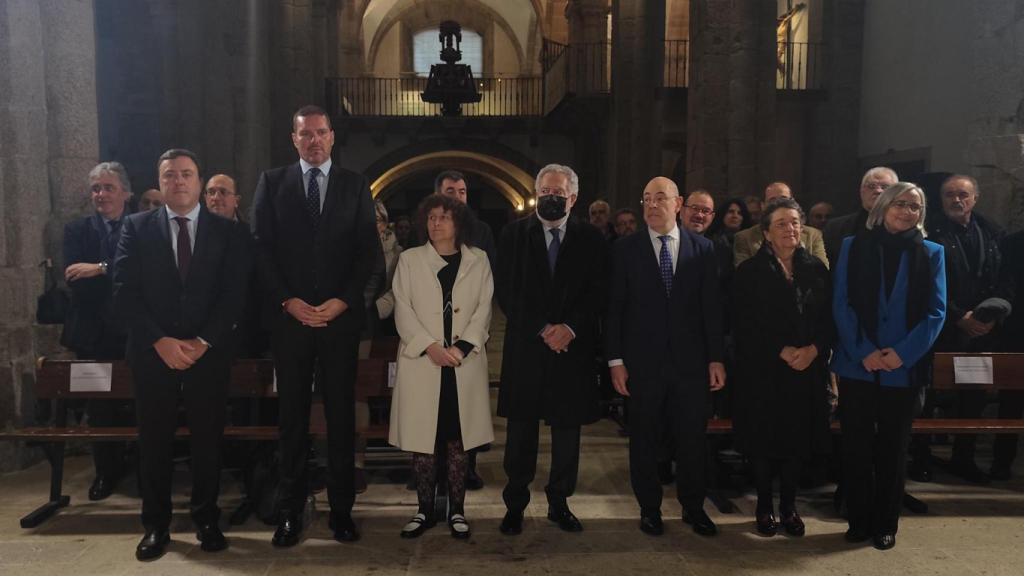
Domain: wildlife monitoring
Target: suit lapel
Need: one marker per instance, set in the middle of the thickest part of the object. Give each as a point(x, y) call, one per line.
point(332, 193)
point(683, 255)
point(161, 220)
point(539, 248)
point(296, 193)
point(200, 245)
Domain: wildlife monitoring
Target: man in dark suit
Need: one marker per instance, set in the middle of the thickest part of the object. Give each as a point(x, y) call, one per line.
point(92, 330)
point(179, 279)
point(874, 182)
point(316, 244)
point(664, 348)
point(551, 284)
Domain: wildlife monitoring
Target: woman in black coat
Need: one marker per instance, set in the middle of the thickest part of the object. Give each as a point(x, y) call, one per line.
point(782, 329)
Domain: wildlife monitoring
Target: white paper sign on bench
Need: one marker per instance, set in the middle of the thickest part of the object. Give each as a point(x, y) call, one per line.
point(972, 370)
point(91, 377)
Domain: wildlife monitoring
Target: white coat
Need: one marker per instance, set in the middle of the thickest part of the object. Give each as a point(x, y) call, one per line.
point(420, 322)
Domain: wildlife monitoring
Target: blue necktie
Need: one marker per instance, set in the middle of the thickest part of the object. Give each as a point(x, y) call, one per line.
point(665, 262)
point(553, 249)
point(313, 197)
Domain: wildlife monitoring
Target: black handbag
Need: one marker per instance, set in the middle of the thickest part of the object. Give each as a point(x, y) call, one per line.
point(52, 305)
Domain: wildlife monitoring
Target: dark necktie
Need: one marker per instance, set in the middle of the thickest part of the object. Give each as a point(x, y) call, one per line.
point(665, 263)
point(110, 242)
point(184, 246)
point(553, 249)
point(313, 197)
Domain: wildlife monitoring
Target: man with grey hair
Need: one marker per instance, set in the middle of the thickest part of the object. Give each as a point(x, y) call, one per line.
point(92, 330)
point(874, 182)
point(550, 283)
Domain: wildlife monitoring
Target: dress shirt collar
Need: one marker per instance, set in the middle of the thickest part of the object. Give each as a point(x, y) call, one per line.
point(656, 236)
point(561, 224)
point(192, 214)
point(325, 168)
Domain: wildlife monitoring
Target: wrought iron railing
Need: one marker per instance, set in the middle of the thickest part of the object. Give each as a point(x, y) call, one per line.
point(799, 66)
point(364, 96)
point(677, 63)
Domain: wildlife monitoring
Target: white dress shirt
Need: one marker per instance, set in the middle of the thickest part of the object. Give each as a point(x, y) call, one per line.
point(321, 179)
point(193, 220)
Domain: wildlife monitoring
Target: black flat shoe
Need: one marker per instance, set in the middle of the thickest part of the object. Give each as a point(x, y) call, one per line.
point(289, 529)
point(793, 524)
point(856, 536)
point(211, 538)
point(885, 541)
point(512, 523)
point(766, 524)
point(417, 525)
point(701, 523)
point(565, 519)
point(102, 487)
point(153, 545)
point(343, 527)
point(652, 525)
point(459, 527)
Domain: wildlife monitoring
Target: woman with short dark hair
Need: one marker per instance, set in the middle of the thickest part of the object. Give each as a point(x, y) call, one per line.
point(441, 403)
point(782, 331)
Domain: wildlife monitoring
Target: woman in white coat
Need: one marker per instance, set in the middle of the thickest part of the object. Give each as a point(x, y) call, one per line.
point(441, 401)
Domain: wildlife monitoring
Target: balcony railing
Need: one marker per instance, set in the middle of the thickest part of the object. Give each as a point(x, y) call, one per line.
point(519, 96)
point(578, 69)
point(677, 63)
point(799, 66)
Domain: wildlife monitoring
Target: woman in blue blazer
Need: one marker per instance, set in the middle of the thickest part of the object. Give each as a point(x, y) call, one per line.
point(889, 304)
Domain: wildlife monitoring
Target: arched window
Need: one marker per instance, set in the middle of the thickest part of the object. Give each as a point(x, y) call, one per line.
point(426, 50)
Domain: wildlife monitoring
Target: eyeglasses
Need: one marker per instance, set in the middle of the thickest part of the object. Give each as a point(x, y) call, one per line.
point(880, 186)
point(656, 200)
point(702, 210)
point(913, 207)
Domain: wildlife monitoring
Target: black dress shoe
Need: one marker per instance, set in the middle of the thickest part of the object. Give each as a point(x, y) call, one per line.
point(473, 480)
point(700, 522)
point(565, 519)
point(792, 523)
point(211, 538)
point(512, 523)
point(885, 541)
point(652, 524)
point(102, 487)
point(766, 524)
point(344, 528)
point(289, 528)
point(152, 545)
point(856, 535)
point(1000, 473)
point(417, 525)
point(969, 471)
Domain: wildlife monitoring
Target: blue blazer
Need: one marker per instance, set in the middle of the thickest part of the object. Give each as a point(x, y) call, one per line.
point(648, 329)
point(892, 324)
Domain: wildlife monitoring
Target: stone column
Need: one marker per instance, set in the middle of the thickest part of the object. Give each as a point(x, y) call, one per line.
point(638, 38)
point(48, 143)
point(588, 21)
point(731, 100)
point(351, 60)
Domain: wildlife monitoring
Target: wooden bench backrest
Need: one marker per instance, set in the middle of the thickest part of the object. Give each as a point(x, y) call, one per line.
point(1007, 371)
point(249, 379)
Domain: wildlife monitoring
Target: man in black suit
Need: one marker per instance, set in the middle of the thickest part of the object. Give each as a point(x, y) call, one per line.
point(179, 279)
point(664, 348)
point(550, 283)
point(92, 330)
point(874, 182)
point(316, 244)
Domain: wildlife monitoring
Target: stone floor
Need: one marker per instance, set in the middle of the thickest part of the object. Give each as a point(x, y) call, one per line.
point(970, 531)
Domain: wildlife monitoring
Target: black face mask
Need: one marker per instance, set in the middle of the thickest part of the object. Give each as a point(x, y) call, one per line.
point(551, 207)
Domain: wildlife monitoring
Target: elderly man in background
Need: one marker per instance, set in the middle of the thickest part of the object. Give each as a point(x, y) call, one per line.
point(747, 242)
point(819, 215)
point(625, 222)
point(221, 196)
point(600, 214)
point(874, 182)
point(152, 198)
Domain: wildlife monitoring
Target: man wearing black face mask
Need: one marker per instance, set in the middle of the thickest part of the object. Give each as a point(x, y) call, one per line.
point(550, 282)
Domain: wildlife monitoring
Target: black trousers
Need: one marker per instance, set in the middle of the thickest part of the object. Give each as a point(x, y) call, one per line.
point(1004, 448)
point(875, 422)
point(681, 408)
point(157, 390)
point(298, 350)
point(521, 463)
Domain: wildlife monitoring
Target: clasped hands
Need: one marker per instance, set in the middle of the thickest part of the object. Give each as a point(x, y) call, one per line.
point(315, 316)
point(445, 357)
point(799, 358)
point(180, 354)
point(557, 337)
point(885, 359)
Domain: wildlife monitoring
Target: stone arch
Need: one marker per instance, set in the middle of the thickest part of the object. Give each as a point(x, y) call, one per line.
point(514, 183)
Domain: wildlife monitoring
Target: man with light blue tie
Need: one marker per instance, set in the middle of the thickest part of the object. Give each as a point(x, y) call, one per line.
point(315, 233)
point(664, 347)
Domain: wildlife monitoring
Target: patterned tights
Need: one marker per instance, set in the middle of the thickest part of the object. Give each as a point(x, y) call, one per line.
point(424, 466)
